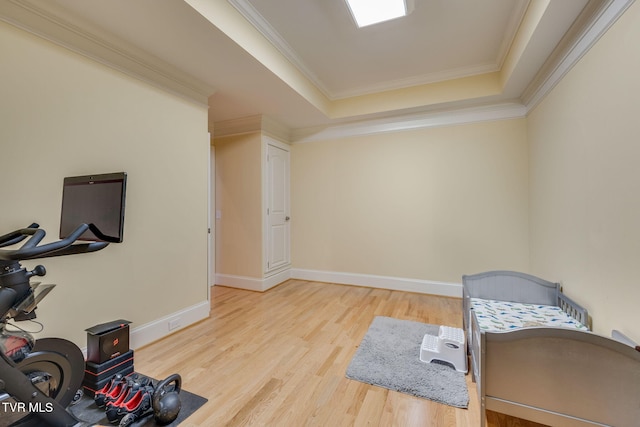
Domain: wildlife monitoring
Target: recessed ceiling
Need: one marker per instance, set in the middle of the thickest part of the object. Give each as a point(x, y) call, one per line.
point(304, 64)
point(438, 40)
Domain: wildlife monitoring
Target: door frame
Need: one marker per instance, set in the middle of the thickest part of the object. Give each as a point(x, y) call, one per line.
point(266, 141)
point(211, 222)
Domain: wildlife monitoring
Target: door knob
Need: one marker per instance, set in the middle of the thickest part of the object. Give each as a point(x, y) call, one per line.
point(286, 218)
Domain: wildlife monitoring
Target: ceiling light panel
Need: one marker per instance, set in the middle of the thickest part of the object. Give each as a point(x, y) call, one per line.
point(368, 12)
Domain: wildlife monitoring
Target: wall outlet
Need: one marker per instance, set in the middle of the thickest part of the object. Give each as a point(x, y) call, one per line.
point(174, 323)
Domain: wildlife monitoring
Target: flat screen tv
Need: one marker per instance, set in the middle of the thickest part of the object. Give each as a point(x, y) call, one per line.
point(97, 200)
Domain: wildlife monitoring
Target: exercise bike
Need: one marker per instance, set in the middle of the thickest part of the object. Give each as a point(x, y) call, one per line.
point(38, 379)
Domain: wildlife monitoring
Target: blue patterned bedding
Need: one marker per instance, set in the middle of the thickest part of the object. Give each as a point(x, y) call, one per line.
point(497, 316)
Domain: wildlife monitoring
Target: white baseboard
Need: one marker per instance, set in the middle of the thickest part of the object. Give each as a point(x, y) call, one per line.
point(240, 282)
point(373, 281)
point(159, 328)
point(381, 282)
point(252, 283)
point(277, 278)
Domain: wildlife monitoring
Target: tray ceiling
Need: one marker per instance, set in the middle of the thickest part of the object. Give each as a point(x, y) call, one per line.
point(305, 66)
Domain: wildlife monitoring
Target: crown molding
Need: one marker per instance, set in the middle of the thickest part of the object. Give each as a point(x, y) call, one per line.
point(511, 31)
point(257, 123)
point(597, 17)
point(237, 126)
point(40, 18)
point(275, 130)
point(254, 17)
point(270, 127)
point(502, 111)
point(259, 23)
point(425, 79)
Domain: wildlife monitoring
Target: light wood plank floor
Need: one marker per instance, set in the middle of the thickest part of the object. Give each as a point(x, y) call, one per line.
point(278, 358)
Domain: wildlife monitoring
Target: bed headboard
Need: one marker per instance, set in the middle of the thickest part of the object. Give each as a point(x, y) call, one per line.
point(511, 286)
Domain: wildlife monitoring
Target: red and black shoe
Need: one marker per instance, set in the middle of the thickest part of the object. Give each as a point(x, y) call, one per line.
point(112, 388)
point(121, 390)
point(111, 410)
point(135, 407)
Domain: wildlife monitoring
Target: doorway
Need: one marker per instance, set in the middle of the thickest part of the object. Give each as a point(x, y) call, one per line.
point(278, 226)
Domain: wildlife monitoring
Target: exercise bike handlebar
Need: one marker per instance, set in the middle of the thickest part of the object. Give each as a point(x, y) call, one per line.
point(14, 237)
point(31, 250)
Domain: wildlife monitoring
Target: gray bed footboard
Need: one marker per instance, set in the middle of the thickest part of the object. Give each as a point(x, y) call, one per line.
point(560, 377)
point(548, 375)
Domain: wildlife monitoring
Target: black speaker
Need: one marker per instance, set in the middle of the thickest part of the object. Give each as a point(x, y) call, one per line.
point(107, 340)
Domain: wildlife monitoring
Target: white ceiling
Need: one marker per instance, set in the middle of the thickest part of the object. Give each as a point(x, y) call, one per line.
point(438, 40)
point(303, 63)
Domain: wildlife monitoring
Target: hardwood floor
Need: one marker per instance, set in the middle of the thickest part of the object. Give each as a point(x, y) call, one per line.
point(278, 358)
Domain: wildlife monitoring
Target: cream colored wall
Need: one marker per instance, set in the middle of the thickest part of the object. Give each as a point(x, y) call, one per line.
point(239, 203)
point(65, 115)
point(585, 184)
point(430, 204)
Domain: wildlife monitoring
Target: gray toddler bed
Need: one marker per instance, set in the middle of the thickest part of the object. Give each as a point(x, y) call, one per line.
point(559, 375)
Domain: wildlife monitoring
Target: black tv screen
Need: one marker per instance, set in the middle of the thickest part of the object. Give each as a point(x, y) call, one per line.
point(97, 200)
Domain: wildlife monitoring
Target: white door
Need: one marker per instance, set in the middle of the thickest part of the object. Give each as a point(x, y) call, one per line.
point(277, 197)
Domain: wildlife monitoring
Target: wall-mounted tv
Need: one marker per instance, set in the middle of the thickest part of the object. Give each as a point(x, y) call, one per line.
point(97, 200)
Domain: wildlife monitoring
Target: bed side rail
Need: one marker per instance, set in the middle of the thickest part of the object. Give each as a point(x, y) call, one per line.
point(574, 309)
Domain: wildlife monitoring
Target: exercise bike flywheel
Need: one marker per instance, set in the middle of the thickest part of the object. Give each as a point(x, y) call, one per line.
point(56, 368)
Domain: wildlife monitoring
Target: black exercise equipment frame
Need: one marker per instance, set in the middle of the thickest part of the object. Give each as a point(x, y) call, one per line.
point(15, 289)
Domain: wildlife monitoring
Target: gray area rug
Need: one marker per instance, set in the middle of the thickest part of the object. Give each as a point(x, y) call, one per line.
point(389, 357)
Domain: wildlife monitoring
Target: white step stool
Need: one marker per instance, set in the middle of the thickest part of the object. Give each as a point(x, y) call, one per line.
point(449, 346)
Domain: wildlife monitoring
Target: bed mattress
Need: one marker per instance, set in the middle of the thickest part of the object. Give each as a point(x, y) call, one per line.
point(498, 316)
